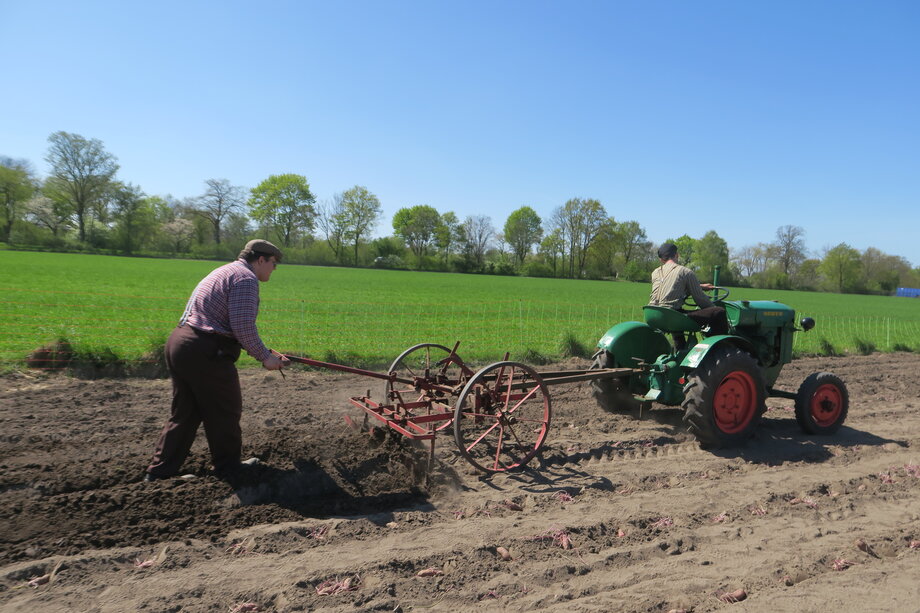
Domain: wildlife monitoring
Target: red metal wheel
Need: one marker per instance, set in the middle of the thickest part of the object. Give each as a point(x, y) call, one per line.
point(735, 402)
point(724, 397)
point(429, 362)
point(502, 417)
point(826, 405)
point(822, 403)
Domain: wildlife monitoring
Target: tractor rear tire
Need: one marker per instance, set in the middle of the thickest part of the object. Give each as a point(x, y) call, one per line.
point(821, 403)
point(612, 394)
point(724, 398)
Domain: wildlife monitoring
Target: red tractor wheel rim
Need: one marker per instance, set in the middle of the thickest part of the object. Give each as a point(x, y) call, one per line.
point(826, 405)
point(735, 402)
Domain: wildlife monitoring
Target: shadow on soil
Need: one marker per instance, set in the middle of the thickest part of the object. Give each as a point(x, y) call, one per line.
point(777, 441)
point(312, 490)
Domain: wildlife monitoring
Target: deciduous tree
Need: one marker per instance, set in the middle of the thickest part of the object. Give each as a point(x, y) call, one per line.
point(790, 248)
point(630, 239)
point(284, 204)
point(180, 232)
point(477, 235)
point(747, 260)
point(333, 221)
point(616, 247)
point(604, 255)
point(449, 232)
point(711, 251)
point(237, 229)
point(16, 188)
point(686, 248)
point(417, 226)
point(578, 223)
point(388, 246)
point(754, 263)
point(46, 213)
point(809, 275)
point(882, 272)
point(841, 267)
point(552, 248)
point(218, 202)
point(362, 211)
point(523, 230)
point(136, 217)
point(81, 173)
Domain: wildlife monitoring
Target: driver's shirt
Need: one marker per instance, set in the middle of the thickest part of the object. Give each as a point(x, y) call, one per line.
point(673, 283)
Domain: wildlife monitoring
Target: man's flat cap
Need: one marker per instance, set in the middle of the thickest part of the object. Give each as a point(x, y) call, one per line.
point(262, 247)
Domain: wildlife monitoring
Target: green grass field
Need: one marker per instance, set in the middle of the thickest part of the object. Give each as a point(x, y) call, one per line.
point(124, 306)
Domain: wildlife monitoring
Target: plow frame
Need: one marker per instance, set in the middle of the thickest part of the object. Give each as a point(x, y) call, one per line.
point(500, 414)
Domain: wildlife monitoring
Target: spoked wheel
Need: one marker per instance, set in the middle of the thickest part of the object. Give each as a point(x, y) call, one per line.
point(502, 417)
point(821, 403)
point(724, 398)
point(427, 361)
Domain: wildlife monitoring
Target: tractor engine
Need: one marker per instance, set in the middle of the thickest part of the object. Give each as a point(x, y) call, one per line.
point(769, 327)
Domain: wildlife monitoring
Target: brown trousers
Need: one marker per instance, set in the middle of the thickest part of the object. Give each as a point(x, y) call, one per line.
point(206, 389)
point(714, 317)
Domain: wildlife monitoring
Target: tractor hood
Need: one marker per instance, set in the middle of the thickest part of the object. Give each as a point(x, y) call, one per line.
point(759, 313)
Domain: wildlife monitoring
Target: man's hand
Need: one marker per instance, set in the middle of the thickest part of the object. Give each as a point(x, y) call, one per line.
point(707, 286)
point(276, 362)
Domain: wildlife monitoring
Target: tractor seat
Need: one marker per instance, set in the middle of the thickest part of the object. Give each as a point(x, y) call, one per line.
point(669, 320)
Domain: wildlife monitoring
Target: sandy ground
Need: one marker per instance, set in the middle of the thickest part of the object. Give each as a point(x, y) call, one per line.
point(619, 514)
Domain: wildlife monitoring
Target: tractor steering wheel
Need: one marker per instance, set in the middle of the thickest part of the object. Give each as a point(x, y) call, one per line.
point(721, 294)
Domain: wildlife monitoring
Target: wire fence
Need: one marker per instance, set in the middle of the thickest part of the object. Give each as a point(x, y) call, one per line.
point(849, 334)
point(132, 327)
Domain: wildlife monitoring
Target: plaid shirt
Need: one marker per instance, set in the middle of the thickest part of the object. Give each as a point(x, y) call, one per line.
point(672, 283)
point(227, 302)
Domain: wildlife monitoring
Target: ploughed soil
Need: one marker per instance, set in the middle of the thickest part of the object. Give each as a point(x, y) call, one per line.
point(620, 513)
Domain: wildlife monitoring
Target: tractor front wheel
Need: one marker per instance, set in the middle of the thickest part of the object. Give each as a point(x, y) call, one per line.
point(724, 398)
point(821, 403)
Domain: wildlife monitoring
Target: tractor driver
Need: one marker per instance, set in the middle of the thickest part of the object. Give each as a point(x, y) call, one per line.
point(673, 283)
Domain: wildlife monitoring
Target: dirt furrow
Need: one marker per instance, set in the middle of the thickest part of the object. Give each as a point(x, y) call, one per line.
point(619, 513)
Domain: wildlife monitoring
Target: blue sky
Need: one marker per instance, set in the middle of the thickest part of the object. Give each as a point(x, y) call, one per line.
point(686, 116)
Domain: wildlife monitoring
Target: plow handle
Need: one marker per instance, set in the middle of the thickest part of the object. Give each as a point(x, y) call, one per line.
point(339, 367)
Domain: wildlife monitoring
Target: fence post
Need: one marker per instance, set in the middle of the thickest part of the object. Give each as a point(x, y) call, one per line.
point(521, 321)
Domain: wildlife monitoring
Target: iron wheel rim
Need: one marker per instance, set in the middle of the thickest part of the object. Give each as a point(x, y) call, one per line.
point(734, 403)
point(826, 404)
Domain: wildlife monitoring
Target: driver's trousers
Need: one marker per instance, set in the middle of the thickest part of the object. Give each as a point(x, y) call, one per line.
point(713, 316)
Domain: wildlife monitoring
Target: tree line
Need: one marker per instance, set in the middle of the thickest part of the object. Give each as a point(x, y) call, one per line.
point(83, 206)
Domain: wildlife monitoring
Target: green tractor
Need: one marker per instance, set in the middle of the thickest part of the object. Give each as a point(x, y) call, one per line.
point(721, 382)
